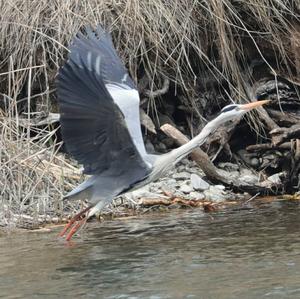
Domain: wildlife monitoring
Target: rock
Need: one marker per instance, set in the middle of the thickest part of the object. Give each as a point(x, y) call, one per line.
point(150, 147)
point(180, 168)
point(198, 183)
point(197, 172)
point(276, 178)
point(246, 171)
point(231, 175)
point(196, 195)
point(254, 162)
point(141, 191)
point(185, 161)
point(181, 175)
point(161, 147)
point(215, 194)
point(228, 165)
point(171, 182)
point(168, 142)
point(144, 192)
point(220, 187)
point(249, 179)
point(186, 188)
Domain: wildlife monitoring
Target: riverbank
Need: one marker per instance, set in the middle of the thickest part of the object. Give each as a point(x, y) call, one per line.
point(182, 188)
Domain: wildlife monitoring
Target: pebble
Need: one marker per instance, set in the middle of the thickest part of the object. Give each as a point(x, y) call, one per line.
point(142, 192)
point(185, 188)
point(161, 147)
point(232, 175)
point(220, 187)
point(181, 175)
point(196, 195)
point(168, 181)
point(180, 168)
point(249, 179)
point(215, 194)
point(198, 183)
point(275, 178)
point(150, 148)
point(246, 171)
point(228, 165)
point(254, 162)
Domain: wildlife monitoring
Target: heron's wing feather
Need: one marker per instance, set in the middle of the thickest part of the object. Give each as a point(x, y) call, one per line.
point(100, 45)
point(95, 50)
point(93, 126)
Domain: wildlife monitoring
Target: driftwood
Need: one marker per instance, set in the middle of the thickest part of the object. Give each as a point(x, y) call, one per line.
point(282, 124)
point(268, 146)
point(283, 118)
point(283, 134)
point(35, 122)
point(209, 206)
point(146, 121)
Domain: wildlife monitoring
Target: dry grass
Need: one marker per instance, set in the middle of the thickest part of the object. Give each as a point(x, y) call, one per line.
point(34, 175)
point(184, 41)
point(174, 39)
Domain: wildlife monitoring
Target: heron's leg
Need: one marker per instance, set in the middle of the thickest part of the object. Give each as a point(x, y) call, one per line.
point(75, 228)
point(75, 219)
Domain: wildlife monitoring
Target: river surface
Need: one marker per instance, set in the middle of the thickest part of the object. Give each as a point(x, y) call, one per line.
point(250, 252)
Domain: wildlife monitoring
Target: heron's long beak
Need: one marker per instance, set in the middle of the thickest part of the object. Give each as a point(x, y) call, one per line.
point(252, 105)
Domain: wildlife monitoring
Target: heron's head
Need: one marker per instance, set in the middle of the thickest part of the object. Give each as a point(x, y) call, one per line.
point(234, 111)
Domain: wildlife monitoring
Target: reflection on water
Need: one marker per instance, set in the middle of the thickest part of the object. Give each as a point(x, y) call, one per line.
point(249, 253)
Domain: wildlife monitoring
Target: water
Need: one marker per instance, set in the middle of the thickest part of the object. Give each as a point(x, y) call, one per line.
point(246, 253)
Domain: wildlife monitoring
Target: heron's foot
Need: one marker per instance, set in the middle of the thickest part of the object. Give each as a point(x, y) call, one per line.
point(75, 224)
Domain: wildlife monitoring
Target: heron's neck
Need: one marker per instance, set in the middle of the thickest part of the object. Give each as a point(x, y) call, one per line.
point(179, 153)
point(166, 162)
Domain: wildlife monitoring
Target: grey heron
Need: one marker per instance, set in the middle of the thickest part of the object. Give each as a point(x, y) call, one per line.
point(100, 124)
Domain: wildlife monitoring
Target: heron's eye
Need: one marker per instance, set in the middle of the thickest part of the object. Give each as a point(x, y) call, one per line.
point(229, 108)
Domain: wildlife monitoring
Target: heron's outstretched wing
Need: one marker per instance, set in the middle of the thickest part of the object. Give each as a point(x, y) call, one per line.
point(95, 49)
point(85, 48)
point(93, 126)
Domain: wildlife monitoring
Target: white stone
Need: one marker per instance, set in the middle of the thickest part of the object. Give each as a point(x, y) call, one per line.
point(215, 193)
point(275, 178)
point(198, 183)
point(228, 165)
point(181, 175)
point(249, 179)
point(197, 195)
point(231, 175)
point(246, 171)
point(186, 188)
point(220, 187)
